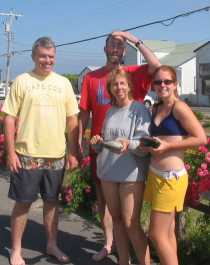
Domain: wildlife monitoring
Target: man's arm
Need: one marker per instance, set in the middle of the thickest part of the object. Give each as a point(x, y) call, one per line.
point(12, 158)
point(149, 56)
point(84, 117)
point(73, 132)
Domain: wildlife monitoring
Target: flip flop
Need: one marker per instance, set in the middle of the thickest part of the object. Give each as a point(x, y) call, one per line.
point(60, 257)
point(103, 253)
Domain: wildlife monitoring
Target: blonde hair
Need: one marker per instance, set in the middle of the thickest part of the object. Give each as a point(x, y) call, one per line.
point(119, 72)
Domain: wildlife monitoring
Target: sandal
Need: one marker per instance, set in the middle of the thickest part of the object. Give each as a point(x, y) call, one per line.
point(58, 255)
point(103, 253)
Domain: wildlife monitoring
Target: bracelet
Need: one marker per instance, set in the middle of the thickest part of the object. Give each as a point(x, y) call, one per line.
point(138, 43)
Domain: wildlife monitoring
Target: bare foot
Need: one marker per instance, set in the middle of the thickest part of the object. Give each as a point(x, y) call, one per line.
point(56, 253)
point(16, 258)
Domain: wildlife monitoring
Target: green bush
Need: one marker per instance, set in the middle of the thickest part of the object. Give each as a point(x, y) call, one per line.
point(199, 115)
point(195, 249)
point(206, 124)
point(78, 191)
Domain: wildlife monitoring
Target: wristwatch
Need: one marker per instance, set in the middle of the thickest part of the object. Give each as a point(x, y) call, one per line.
point(138, 43)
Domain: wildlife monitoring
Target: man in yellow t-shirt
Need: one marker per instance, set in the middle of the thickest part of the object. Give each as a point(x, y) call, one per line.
point(40, 107)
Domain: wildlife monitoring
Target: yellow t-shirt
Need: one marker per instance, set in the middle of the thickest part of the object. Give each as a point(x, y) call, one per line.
point(41, 105)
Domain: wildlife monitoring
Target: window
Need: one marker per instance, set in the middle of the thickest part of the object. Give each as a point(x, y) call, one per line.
point(206, 87)
point(204, 70)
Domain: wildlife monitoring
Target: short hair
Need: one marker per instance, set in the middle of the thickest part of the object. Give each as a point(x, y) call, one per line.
point(109, 37)
point(45, 42)
point(112, 77)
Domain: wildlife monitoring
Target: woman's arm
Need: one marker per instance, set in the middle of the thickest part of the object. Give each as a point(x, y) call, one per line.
point(141, 130)
point(190, 123)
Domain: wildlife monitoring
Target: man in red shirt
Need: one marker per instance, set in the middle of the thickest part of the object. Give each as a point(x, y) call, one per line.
point(95, 100)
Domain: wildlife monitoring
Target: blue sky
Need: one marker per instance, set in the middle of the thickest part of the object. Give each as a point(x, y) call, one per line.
point(66, 21)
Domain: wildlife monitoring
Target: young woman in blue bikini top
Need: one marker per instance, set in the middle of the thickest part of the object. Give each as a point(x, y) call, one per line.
point(176, 128)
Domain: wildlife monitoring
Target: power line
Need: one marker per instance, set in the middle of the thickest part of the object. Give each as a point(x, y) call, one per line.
point(170, 21)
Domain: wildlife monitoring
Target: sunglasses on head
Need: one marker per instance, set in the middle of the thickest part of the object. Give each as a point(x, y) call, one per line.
point(165, 81)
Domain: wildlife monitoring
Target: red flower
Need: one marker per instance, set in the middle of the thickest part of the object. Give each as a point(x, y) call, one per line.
point(85, 162)
point(204, 166)
point(68, 194)
point(207, 157)
point(187, 166)
point(1, 138)
point(192, 195)
point(202, 149)
point(88, 189)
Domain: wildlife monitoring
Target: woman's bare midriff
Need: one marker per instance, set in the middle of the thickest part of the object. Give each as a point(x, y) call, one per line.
point(170, 160)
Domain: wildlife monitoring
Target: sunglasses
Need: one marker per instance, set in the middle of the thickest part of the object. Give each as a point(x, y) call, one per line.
point(165, 81)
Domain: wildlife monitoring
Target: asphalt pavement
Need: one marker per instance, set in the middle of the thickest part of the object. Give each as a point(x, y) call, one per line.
point(77, 237)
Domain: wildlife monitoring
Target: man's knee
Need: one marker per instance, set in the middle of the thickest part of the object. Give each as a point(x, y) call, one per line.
point(22, 207)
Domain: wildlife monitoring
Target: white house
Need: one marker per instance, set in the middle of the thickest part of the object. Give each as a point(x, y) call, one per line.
point(180, 56)
point(190, 60)
point(203, 73)
point(83, 73)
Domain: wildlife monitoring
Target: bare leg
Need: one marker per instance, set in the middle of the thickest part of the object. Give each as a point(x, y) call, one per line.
point(162, 232)
point(106, 223)
point(106, 219)
point(172, 235)
point(131, 195)
point(18, 224)
point(111, 193)
point(50, 215)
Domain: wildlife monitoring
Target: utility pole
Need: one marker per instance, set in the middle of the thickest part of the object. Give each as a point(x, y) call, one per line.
point(8, 30)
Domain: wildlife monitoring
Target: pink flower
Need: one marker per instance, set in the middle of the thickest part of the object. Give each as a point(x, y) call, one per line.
point(68, 198)
point(208, 140)
point(1, 153)
point(88, 189)
point(187, 166)
point(85, 162)
point(204, 184)
point(207, 157)
point(1, 138)
point(204, 166)
point(200, 172)
point(192, 195)
point(68, 194)
point(202, 149)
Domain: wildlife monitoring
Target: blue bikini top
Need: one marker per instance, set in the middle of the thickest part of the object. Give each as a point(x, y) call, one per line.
point(169, 126)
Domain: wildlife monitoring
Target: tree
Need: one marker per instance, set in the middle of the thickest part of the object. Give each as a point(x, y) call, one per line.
point(73, 78)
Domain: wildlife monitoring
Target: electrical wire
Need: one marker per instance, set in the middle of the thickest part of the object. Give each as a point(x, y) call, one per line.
point(163, 22)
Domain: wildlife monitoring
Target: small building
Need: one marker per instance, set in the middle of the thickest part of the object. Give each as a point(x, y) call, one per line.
point(180, 56)
point(83, 73)
point(203, 74)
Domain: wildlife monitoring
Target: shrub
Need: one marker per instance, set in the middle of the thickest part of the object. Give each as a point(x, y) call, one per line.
point(206, 124)
point(77, 192)
point(197, 163)
point(199, 115)
point(195, 250)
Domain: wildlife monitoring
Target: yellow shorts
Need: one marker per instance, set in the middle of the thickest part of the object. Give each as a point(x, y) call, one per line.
point(166, 192)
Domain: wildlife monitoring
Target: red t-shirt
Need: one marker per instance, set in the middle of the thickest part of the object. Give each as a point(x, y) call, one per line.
point(95, 98)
